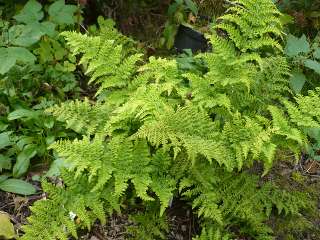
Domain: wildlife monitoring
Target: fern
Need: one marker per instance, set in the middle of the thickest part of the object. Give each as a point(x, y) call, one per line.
point(54, 218)
point(108, 31)
point(252, 25)
point(225, 201)
point(186, 128)
point(306, 112)
point(121, 160)
point(109, 72)
point(82, 116)
point(157, 128)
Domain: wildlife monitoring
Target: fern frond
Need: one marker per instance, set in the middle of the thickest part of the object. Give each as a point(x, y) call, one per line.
point(251, 25)
point(82, 116)
point(306, 112)
point(281, 125)
point(224, 198)
point(104, 59)
point(54, 218)
point(186, 128)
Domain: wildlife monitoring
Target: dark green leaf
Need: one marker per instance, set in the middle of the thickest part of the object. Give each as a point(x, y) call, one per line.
point(61, 13)
point(17, 186)
point(48, 28)
point(59, 50)
point(295, 45)
point(30, 13)
point(7, 61)
point(50, 139)
point(25, 35)
point(23, 160)
point(45, 52)
point(48, 122)
point(3, 177)
point(314, 65)
point(22, 113)
point(36, 178)
point(173, 8)
point(9, 56)
point(3, 126)
point(297, 81)
point(5, 139)
point(5, 162)
point(22, 54)
point(25, 140)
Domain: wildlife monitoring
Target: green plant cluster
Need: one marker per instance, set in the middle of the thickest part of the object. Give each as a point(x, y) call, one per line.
point(302, 50)
point(304, 58)
point(161, 131)
point(36, 72)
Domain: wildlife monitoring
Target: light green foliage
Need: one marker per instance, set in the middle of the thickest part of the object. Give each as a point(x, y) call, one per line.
point(110, 72)
point(186, 128)
point(187, 62)
point(251, 28)
point(158, 129)
point(82, 116)
point(305, 114)
point(108, 31)
point(211, 233)
point(245, 72)
point(120, 160)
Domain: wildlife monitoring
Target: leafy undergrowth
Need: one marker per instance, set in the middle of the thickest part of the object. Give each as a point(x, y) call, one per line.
point(37, 71)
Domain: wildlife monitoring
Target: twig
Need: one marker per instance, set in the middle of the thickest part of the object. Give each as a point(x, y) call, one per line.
point(84, 28)
point(310, 166)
